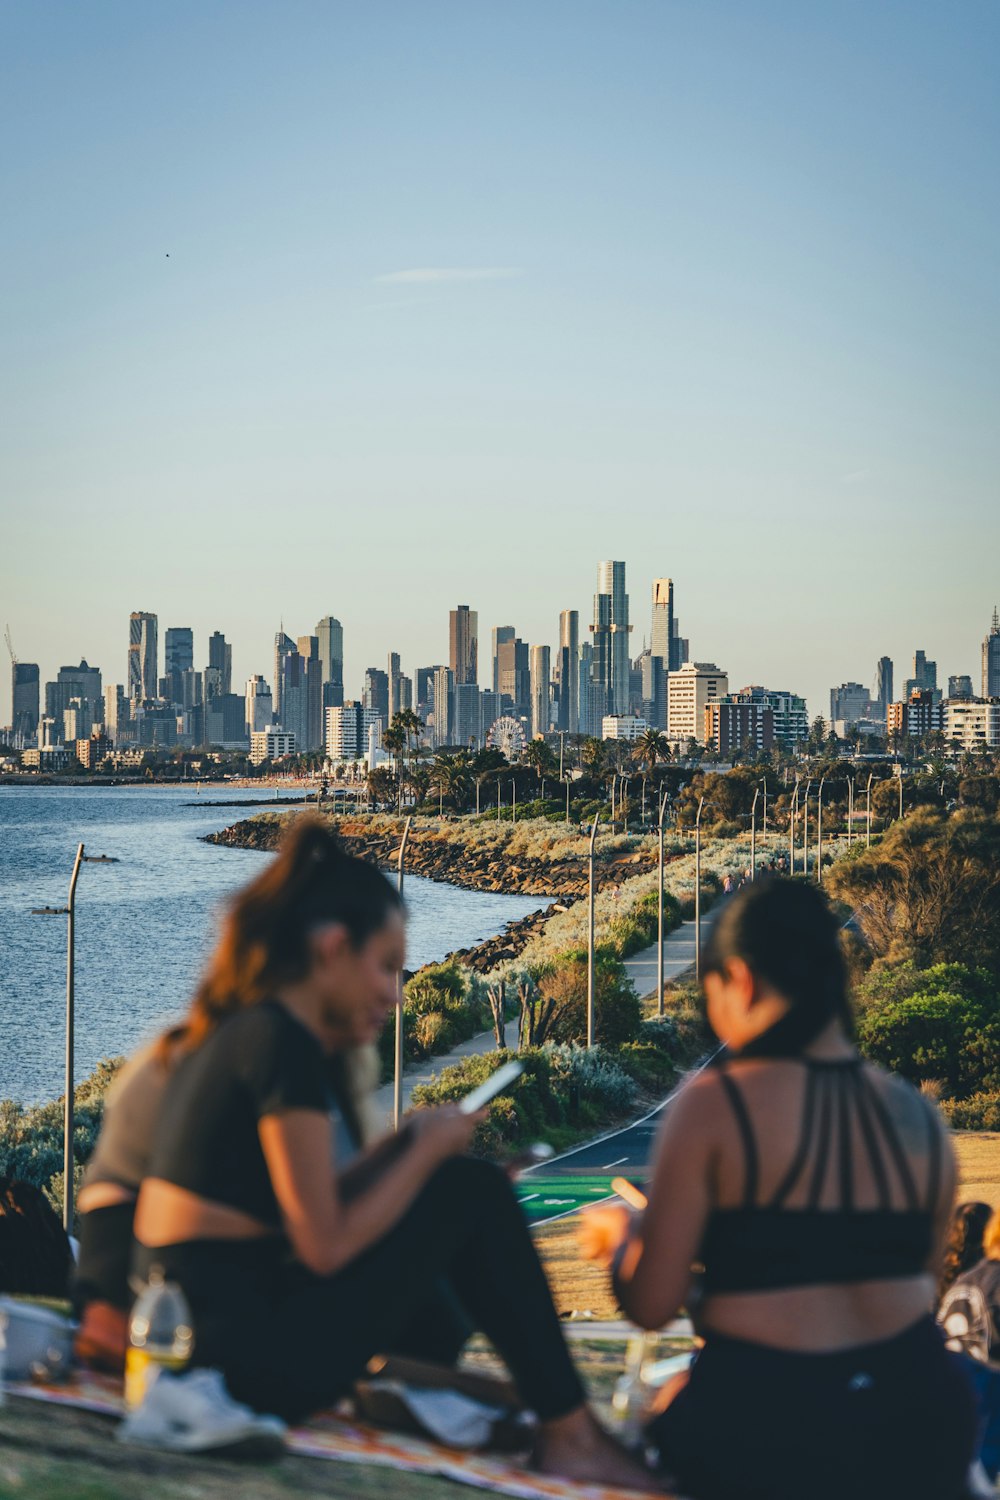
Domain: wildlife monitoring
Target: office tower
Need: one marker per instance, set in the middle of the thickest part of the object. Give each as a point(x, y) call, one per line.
point(330, 634)
point(211, 680)
point(295, 698)
point(654, 690)
point(924, 679)
point(376, 694)
point(491, 709)
point(922, 714)
point(192, 689)
point(662, 634)
point(178, 658)
point(444, 683)
point(541, 691)
point(991, 659)
point(283, 646)
point(690, 690)
point(972, 723)
point(791, 720)
point(142, 655)
point(226, 723)
point(883, 685)
point(733, 725)
point(514, 676)
point(463, 644)
point(220, 660)
point(308, 648)
point(25, 702)
point(680, 652)
point(600, 670)
point(960, 686)
point(270, 744)
point(423, 687)
point(404, 688)
point(611, 584)
point(467, 715)
point(82, 682)
point(501, 635)
point(569, 670)
point(348, 726)
point(396, 679)
point(117, 718)
point(849, 703)
point(258, 704)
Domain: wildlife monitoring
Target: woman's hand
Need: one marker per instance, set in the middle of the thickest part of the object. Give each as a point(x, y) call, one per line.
point(602, 1229)
point(443, 1131)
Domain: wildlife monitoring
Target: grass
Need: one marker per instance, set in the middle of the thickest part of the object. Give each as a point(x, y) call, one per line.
point(978, 1153)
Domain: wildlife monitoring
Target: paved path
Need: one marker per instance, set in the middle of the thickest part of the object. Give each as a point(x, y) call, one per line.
point(678, 955)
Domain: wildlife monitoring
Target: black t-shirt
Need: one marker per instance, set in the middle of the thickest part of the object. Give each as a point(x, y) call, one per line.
point(259, 1061)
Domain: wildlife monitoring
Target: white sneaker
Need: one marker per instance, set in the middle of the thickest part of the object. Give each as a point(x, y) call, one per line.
point(979, 1483)
point(193, 1412)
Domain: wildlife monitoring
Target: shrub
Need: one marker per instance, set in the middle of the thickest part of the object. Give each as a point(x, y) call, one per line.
point(941, 1023)
point(980, 1111)
point(651, 1066)
point(596, 1073)
point(31, 1140)
point(525, 1110)
point(617, 1012)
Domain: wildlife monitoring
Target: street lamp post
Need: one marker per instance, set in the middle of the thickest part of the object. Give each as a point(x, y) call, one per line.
point(513, 801)
point(69, 912)
point(567, 801)
point(498, 799)
point(397, 1087)
point(763, 831)
point(659, 950)
point(819, 832)
point(697, 888)
point(805, 830)
point(899, 773)
point(793, 809)
point(850, 811)
point(868, 810)
point(590, 935)
point(753, 836)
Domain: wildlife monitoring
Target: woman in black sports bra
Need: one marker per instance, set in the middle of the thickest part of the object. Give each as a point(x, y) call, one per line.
point(814, 1192)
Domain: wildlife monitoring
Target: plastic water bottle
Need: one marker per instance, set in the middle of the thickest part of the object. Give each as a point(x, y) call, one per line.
point(160, 1335)
point(631, 1393)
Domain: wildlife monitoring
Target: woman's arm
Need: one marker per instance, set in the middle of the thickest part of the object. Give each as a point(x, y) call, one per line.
point(653, 1276)
point(325, 1232)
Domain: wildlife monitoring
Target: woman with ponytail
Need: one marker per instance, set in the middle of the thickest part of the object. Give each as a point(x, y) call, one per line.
point(298, 1271)
point(813, 1192)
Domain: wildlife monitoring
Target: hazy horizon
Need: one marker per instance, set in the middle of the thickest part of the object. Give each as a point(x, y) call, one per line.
point(371, 311)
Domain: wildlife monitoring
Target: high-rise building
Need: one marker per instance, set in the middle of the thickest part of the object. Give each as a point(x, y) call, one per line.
point(653, 690)
point(394, 676)
point(924, 679)
point(117, 716)
point(142, 656)
point(731, 725)
point(850, 702)
point(225, 721)
point(568, 670)
point(467, 715)
point(348, 726)
point(192, 689)
point(991, 659)
point(423, 687)
point(376, 694)
point(83, 683)
point(973, 723)
point(283, 646)
point(662, 633)
point(960, 686)
point(270, 744)
point(514, 677)
point(259, 705)
point(444, 683)
point(541, 690)
point(610, 629)
point(630, 727)
point(178, 657)
point(302, 694)
point(922, 714)
point(690, 690)
point(680, 648)
point(25, 703)
point(791, 720)
point(883, 685)
point(501, 635)
point(220, 661)
point(330, 634)
point(463, 644)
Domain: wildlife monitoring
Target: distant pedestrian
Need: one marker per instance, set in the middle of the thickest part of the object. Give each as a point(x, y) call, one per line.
point(727, 886)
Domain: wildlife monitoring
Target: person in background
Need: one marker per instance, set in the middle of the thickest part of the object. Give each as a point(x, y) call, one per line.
point(815, 1191)
point(297, 1272)
point(965, 1243)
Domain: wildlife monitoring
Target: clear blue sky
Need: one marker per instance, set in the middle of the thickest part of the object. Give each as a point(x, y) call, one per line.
point(715, 291)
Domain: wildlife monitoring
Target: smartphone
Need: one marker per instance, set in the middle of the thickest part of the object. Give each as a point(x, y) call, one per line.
point(494, 1085)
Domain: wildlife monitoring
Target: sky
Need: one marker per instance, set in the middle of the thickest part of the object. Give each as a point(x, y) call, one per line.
point(374, 308)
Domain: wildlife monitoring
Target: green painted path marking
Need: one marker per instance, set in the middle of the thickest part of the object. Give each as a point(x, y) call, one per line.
point(550, 1197)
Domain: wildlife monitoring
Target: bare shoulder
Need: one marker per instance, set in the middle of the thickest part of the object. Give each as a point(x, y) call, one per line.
point(915, 1116)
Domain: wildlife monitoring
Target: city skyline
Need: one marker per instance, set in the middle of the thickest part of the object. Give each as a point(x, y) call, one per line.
point(486, 293)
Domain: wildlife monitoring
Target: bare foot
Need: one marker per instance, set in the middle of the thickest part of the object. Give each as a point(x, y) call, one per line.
point(576, 1447)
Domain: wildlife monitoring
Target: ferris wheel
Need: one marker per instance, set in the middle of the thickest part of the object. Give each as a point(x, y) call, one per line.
point(507, 735)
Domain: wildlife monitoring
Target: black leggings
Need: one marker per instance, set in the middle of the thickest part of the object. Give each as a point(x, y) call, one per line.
point(292, 1343)
point(105, 1253)
point(888, 1419)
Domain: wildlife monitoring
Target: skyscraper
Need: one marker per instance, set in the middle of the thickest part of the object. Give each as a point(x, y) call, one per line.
point(501, 634)
point(142, 655)
point(330, 634)
point(991, 659)
point(220, 660)
point(376, 694)
point(883, 685)
point(514, 675)
point(258, 705)
point(178, 657)
point(467, 714)
point(463, 644)
point(25, 701)
point(612, 664)
point(569, 670)
point(541, 691)
point(283, 646)
point(924, 679)
point(662, 633)
point(654, 690)
point(444, 683)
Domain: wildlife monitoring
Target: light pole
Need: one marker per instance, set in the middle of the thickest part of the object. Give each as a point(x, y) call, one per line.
point(562, 746)
point(69, 912)
point(793, 810)
point(513, 801)
point(850, 811)
point(899, 773)
point(805, 830)
point(567, 801)
point(659, 951)
point(819, 832)
point(753, 836)
point(590, 935)
point(397, 1087)
point(498, 799)
point(868, 810)
point(763, 831)
point(702, 804)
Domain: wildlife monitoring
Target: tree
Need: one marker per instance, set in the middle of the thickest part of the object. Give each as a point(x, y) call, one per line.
point(940, 1024)
point(617, 1012)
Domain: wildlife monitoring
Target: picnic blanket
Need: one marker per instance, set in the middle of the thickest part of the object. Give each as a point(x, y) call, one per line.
point(340, 1439)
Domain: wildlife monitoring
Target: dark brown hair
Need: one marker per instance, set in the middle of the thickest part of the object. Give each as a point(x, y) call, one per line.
point(965, 1242)
point(265, 933)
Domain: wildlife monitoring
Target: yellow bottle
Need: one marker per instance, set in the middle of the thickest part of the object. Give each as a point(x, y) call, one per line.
point(160, 1335)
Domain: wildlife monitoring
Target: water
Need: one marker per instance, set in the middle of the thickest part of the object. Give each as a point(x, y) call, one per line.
point(145, 925)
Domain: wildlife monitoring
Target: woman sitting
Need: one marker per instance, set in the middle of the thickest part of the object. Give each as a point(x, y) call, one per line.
point(815, 1191)
point(296, 1275)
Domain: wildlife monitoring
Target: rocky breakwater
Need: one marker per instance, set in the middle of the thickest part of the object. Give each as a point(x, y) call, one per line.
point(448, 854)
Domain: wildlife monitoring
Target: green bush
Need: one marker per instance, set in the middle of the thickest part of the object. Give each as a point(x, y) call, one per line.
point(650, 1066)
point(980, 1111)
point(617, 1011)
point(941, 1023)
point(637, 929)
point(525, 1111)
point(31, 1140)
point(596, 1073)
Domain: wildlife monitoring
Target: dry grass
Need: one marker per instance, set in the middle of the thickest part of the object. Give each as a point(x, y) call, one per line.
point(978, 1153)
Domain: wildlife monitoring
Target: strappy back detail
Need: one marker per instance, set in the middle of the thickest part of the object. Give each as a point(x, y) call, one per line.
point(810, 1228)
